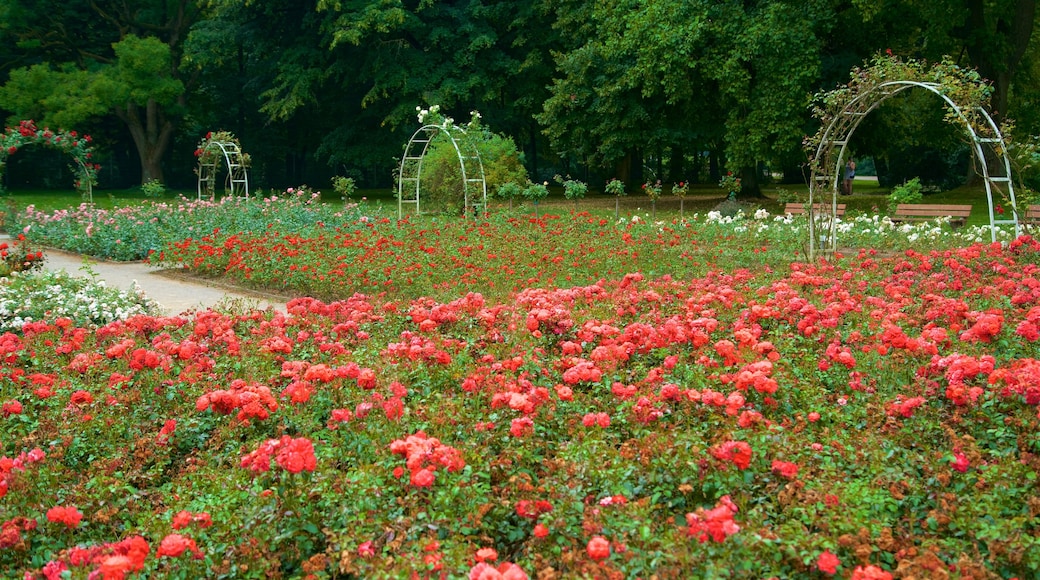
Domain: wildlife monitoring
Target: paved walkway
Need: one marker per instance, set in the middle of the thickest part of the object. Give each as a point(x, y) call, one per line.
point(175, 293)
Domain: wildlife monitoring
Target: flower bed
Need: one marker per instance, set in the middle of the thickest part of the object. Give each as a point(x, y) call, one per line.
point(859, 417)
point(134, 232)
point(505, 254)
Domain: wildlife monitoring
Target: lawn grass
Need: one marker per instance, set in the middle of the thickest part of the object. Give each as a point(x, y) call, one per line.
point(868, 198)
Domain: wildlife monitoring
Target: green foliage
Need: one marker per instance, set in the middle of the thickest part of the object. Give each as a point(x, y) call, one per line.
point(909, 192)
point(153, 188)
point(509, 190)
point(536, 192)
point(442, 187)
point(344, 186)
point(572, 188)
point(67, 96)
point(731, 185)
point(31, 296)
point(615, 187)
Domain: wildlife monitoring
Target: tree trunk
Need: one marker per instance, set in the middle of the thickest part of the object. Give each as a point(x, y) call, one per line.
point(714, 166)
point(152, 133)
point(676, 171)
point(629, 170)
point(533, 157)
point(749, 185)
point(994, 64)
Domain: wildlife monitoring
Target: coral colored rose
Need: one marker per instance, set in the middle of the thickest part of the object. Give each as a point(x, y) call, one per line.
point(173, 545)
point(785, 469)
point(366, 550)
point(115, 567)
point(540, 531)
point(828, 563)
point(296, 455)
point(598, 548)
point(487, 555)
point(505, 571)
point(960, 462)
point(12, 407)
point(870, 573)
point(422, 478)
point(69, 516)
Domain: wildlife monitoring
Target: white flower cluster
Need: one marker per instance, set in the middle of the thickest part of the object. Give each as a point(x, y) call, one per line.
point(45, 296)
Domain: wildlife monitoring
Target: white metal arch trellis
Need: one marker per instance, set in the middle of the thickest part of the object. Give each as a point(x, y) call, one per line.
point(87, 187)
point(237, 180)
point(470, 163)
point(985, 138)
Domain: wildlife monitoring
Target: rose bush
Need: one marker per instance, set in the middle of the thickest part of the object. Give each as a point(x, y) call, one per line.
point(643, 405)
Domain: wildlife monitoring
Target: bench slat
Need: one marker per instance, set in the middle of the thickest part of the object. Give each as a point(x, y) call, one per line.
point(919, 212)
point(818, 208)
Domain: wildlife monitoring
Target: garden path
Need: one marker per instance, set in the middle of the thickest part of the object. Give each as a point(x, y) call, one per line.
point(175, 293)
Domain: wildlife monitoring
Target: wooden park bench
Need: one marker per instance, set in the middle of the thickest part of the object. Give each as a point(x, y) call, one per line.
point(818, 209)
point(1032, 216)
point(923, 212)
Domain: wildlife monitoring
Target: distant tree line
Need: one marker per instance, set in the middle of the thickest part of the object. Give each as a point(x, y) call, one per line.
point(634, 89)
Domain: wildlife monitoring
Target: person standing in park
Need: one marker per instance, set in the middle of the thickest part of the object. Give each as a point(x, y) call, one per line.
point(850, 172)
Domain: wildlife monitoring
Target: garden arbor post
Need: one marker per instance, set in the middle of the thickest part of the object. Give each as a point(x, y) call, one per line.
point(846, 108)
point(12, 139)
point(218, 151)
point(470, 163)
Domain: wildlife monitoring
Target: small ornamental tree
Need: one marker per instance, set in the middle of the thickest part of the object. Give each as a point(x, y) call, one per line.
point(653, 191)
point(572, 189)
point(615, 187)
point(679, 190)
point(70, 143)
point(536, 192)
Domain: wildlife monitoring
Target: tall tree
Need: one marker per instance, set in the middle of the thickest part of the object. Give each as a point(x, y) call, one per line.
point(992, 36)
point(362, 67)
point(653, 72)
point(87, 58)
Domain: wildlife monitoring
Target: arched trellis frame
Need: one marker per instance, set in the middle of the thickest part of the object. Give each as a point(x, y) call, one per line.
point(987, 145)
point(13, 139)
point(219, 151)
point(474, 184)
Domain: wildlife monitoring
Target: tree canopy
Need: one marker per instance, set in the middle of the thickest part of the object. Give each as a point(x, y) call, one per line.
point(316, 88)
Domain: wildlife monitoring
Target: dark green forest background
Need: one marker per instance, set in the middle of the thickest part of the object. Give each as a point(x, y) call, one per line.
point(640, 90)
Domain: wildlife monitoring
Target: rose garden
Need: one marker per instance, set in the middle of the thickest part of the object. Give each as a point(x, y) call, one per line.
point(554, 391)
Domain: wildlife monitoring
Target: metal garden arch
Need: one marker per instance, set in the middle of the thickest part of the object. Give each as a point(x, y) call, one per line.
point(830, 153)
point(215, 155)
point(473, 181)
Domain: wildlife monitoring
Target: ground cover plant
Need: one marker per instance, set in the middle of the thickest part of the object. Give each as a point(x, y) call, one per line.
point(692, 399)
point(133, 231)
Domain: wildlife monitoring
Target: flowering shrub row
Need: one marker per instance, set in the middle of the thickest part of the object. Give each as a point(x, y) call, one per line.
point(865, 417)
point(81, 300)
point(134, 232)
point(505, 254)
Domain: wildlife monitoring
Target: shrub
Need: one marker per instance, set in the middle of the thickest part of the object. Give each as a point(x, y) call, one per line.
point(153, 188)
point(344, 186)
point(536, 192)
point(909, 192)
point(86, 301)
point(572, 188)
point(441, 186)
